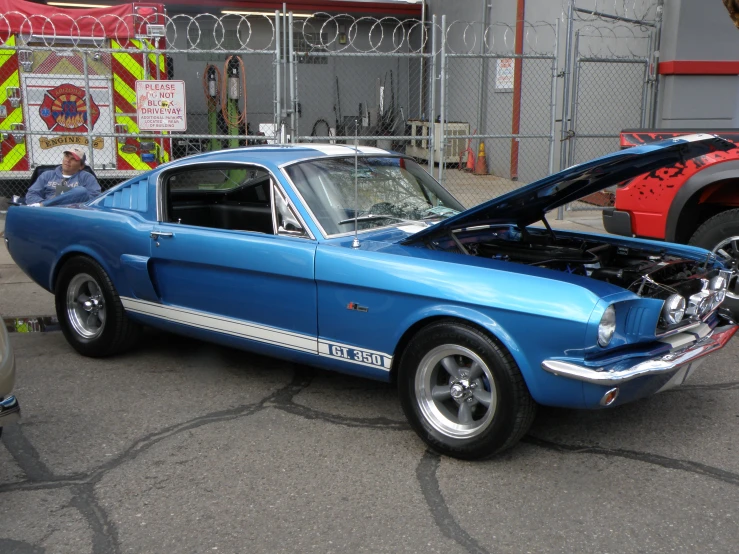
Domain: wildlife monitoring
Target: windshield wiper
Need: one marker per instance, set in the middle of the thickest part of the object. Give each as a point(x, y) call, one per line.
point(368, 217)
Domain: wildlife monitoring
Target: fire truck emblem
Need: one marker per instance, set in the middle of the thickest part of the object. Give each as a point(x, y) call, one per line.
point(64, 108)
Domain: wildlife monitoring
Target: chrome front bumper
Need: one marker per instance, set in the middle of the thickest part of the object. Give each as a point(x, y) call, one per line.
point(715, 340)
point(10, 410)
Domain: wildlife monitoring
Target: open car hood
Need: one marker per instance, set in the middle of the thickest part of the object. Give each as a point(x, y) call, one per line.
point(528, 204)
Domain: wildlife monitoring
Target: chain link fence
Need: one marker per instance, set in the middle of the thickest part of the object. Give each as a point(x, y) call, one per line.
point(499, 109)
point(611, 82)
point(479, 105)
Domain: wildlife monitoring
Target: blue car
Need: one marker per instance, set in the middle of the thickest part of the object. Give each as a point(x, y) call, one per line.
point(355, 260)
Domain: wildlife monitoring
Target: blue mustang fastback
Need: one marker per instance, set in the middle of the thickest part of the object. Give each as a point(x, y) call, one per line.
point(354, 259)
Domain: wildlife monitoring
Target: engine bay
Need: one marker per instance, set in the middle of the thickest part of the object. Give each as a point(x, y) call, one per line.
point(650, 273)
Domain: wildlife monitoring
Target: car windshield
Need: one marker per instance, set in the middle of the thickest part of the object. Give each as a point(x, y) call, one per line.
point(388, 191)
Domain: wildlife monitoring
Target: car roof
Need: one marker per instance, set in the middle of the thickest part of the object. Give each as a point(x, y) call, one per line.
point(279, 154)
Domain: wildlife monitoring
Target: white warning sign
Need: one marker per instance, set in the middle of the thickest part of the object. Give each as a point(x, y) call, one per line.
point(161, 105)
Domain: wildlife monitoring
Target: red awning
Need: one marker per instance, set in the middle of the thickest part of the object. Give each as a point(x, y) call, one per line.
point(377, 9)
point(19, 16)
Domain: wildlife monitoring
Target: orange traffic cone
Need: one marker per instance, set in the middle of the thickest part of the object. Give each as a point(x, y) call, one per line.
point(470, 160)
point(481, 167)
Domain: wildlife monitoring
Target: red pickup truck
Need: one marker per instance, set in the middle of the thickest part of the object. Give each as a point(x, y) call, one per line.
point(692, 202)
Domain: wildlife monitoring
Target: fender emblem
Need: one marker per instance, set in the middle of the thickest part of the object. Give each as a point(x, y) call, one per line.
point(356, 307)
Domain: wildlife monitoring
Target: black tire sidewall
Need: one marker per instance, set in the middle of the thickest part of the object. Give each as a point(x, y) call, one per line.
point(97, 346)
point(501, 428)
point(711, 234)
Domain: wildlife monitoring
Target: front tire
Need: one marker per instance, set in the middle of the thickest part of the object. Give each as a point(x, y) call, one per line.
point(89, 310)
point(462, 392)
point(720, 235)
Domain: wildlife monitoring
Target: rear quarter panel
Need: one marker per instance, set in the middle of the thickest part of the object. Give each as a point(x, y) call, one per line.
point(39, 238)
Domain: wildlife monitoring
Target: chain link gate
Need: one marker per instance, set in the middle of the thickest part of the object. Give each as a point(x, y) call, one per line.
point(360, 80)
point(499, 130)
point(611, 83)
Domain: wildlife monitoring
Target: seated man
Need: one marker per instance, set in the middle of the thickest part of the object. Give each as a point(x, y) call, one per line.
point(67, 184)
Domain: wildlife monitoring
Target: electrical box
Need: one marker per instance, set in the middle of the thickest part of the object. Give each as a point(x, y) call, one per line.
point(418, 147)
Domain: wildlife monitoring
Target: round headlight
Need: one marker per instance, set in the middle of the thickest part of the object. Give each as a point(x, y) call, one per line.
point(607, 326)
point(674, 309)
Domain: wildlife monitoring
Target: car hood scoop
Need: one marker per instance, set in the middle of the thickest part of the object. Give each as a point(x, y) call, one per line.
point(528, 204)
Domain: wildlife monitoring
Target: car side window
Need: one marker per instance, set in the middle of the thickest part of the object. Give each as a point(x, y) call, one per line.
point(220, 197)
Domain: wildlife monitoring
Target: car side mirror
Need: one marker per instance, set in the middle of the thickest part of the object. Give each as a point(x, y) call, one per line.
point(291, 232)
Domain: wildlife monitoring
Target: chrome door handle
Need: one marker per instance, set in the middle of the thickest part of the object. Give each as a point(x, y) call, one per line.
point(161, 235)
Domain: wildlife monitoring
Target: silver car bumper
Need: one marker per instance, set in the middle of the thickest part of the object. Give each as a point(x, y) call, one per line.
point(677, 358)
point(10, 410)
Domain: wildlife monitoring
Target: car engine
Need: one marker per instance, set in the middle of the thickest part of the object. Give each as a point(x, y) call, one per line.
point(648, 272)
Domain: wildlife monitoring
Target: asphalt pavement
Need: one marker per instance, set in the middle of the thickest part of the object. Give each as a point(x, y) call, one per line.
point(181, 446)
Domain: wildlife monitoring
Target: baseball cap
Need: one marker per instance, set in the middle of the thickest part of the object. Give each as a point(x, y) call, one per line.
point(77, 152)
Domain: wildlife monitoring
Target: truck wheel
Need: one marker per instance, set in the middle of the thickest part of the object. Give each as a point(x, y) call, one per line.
point(720, 235)
point(462, 392)
point(89, 310)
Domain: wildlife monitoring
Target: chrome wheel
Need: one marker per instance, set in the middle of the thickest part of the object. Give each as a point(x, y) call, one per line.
point(85, 306)
point(455, 391)
point(728, 249)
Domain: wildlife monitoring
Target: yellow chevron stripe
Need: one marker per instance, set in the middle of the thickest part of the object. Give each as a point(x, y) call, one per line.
point(7, 52)
point(133, 160)
point(14, 79)
point(123, 119)
point(128, 61)
point(18, 152)
point(124, 89)
point(15, 116)
point(13, 157)
point(127, 91)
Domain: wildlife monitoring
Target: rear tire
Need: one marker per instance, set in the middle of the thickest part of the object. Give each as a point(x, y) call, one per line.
point(720, 235)
point(462, 392)
point(89, 310)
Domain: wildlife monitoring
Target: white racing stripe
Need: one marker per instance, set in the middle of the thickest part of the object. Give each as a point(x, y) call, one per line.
point(259, 333)
point(344, 150)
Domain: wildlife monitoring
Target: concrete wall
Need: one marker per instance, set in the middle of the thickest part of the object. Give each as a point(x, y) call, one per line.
point(699, 30)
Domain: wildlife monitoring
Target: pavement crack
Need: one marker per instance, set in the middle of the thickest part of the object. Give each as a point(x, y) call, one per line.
point(689, 466)
point(104, 532)
point(426, 474)
point(369, 423)
point(285, 402)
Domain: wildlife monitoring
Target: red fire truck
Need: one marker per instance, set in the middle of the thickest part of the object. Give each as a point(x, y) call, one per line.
point(72, 73)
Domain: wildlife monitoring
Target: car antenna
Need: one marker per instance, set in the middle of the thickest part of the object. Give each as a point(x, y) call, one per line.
point(355, 242)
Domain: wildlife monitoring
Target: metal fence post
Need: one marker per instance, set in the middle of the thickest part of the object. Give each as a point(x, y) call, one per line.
point(88, 112)
point(655, 61)
point(293, 99)
point(553, 104)
point(278, 82)
point(442, 101)
point(575, 101)
point(564, 127)
point(432, 106)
